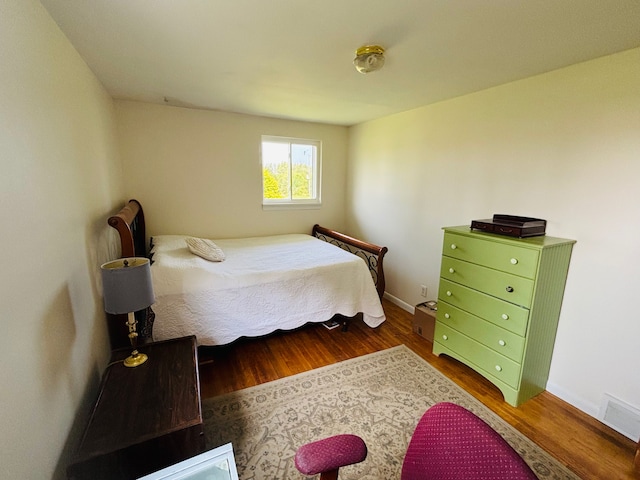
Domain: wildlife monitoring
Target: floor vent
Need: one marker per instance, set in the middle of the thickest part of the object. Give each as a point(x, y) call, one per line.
point(620, 416)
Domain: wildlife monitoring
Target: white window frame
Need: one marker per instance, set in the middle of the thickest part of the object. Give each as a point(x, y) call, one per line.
point(290, 203)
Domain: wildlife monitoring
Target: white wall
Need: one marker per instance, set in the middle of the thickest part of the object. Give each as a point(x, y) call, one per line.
point(60, 178)
point(564, 146)
point(198, 172)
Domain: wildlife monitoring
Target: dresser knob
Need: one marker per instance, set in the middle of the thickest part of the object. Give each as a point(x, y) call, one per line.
point(501, 343)
point(446, 315)
point(509, 289)
point(444, 337)
point(453, 246)
point(449, 293)
point(514, 261)
point(498, 368)
point(505, 316)
point(451, 270)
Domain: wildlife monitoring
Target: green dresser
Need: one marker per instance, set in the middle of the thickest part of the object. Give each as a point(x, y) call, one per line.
point(499, 301)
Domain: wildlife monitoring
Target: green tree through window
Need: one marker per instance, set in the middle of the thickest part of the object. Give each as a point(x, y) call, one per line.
point(271, 183)
point(290, 171)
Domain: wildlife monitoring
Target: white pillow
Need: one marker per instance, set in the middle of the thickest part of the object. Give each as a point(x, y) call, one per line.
point(205, 248)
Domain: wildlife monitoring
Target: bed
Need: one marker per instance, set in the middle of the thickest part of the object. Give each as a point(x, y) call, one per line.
point(264, 284)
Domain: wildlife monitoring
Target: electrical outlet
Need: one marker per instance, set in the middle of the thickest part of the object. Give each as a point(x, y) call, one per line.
point(423, 290)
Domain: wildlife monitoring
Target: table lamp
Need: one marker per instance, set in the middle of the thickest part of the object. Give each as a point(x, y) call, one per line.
point(127, 288)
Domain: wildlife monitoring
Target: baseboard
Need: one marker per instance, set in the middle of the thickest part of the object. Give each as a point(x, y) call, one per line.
point(626, 424)
point(403, 305)
point(586, 407)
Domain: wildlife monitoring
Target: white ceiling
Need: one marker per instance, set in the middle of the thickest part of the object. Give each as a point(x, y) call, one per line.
point(292, 58)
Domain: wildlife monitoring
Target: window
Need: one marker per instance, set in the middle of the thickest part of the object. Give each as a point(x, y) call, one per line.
point(290, 172)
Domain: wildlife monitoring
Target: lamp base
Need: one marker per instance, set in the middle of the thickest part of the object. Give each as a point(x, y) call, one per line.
point(136, 358)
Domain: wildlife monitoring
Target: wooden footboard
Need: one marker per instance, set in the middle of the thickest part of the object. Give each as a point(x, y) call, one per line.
point(372, 254)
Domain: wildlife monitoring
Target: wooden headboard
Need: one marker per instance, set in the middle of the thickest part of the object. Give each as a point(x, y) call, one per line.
point(129, 222)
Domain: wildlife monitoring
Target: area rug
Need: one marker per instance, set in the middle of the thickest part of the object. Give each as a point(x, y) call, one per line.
point(380, 397)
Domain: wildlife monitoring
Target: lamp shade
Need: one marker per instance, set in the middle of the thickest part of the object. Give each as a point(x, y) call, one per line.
point(127, 285)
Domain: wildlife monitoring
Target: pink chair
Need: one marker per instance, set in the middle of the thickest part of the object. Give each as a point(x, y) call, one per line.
point(449, 443)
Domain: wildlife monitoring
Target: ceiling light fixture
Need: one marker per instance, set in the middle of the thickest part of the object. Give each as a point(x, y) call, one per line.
point(369, 58)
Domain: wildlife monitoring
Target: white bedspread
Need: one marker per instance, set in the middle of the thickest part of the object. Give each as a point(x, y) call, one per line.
point(264, 284)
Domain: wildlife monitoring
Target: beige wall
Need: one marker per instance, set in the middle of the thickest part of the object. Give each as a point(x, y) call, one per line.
point(60, 177)
point(564, 146)
point(198, 172)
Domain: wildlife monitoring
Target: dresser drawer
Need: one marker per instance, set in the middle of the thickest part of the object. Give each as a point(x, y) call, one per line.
point(508, 287)
point(512, 259)
point(477, 354)
point(501, 313)
point(502, 341)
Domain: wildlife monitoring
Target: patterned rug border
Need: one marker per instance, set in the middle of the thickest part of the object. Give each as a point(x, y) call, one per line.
point(250, 401)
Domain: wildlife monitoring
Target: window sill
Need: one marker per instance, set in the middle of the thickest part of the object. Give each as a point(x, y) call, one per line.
point(291, 206)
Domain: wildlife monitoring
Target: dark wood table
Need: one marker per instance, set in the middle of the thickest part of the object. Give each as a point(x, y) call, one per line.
point(146, 417)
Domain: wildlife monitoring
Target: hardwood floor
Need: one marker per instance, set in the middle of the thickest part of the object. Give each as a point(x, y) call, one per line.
point(586, 446)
